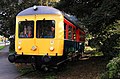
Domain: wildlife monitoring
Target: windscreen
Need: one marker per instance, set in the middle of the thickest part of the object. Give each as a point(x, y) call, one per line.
point(45, 29)
point(26, 29)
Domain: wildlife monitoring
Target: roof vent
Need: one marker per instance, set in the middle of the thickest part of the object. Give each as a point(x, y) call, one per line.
point(35, 7)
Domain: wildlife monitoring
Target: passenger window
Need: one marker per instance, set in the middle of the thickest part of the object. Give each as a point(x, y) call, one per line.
point(82, 37)
point(74, 33)
point(26, 29)
point(45, 29)
point(70, 32)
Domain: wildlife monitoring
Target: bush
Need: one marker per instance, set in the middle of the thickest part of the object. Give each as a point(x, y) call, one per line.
point(113, 69)
point(110, 47)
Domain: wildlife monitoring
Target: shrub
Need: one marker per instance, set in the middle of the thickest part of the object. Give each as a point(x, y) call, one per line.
point(113, 69)
point(111, 45)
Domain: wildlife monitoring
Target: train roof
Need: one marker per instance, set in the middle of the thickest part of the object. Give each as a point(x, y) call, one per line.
point(50, 10)
point(73, 20)
point(39, 10)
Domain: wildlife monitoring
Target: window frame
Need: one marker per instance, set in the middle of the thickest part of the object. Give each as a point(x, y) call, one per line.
point(23, 30)
point(48, 36)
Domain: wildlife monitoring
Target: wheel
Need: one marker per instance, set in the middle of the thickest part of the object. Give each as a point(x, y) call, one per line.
point(38, 63)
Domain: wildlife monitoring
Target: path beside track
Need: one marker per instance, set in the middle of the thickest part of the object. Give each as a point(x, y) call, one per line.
point(7, 69)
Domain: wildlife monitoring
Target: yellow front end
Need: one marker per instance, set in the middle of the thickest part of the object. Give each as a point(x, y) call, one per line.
point(41, 46)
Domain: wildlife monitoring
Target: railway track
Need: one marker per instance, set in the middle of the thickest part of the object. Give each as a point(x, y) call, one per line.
point(45, 68)
point(24, 74)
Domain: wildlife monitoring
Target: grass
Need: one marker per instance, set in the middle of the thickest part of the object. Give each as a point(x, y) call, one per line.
point(93, 51)
point(1, 47)
point(88, 48)
point(24, 68)
point(96, 53)
point(30, 73)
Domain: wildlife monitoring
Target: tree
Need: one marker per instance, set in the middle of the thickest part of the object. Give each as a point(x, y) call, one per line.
point(99, 17)
point(8, 11)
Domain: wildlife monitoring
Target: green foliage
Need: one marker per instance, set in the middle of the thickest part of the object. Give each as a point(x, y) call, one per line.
point(100, 18)
point(104, 75)
point(1, 47)
point(111, 45)
point(108, 42)
point(113, 69)
point(8, 11)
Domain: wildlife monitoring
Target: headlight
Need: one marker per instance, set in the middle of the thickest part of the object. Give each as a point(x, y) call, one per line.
point(51, 48)
point(19, 47)
point(34, 48)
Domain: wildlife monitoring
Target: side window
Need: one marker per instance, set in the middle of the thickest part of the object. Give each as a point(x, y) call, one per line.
point(70, 32)
point(26, 29)
point(45, 29)
point(74, 34)
point(82, 37)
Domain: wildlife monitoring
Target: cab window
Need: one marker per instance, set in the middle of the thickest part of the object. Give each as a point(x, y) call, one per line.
point(45, 29)
point(26, 29)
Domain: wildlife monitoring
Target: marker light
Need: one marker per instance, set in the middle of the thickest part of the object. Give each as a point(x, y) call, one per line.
point(34, 48)
point(80, 43)
point(35, 7)
point(19, 42)
point(19, 47)
point(52, 42)
point(51, 48)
